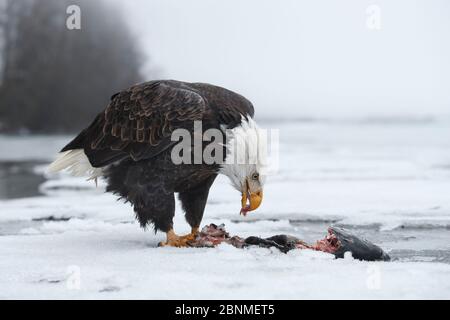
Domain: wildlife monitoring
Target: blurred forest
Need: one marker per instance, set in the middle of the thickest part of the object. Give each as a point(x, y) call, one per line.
point(54, 80)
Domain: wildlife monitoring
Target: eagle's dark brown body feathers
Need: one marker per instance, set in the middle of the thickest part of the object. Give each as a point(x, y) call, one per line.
point(131, 141)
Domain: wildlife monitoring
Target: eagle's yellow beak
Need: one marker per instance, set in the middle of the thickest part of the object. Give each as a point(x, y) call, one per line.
point(255, 200)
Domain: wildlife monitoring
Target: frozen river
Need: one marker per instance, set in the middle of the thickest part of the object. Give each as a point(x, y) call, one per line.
point(386, 181)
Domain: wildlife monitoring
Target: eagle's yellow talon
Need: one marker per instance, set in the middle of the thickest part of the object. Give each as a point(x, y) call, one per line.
point(192, 235)
point(173, 240)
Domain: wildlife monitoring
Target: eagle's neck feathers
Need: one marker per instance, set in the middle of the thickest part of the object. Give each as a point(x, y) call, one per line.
point(246, 152)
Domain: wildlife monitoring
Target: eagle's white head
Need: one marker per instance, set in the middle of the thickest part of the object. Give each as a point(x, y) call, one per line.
point(246, 162)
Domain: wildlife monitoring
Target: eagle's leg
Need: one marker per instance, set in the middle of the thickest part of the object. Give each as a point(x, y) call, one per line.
point(158, 208)
point(194, 202)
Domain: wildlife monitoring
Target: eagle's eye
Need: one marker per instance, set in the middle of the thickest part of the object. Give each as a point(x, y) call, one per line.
point(255, 176)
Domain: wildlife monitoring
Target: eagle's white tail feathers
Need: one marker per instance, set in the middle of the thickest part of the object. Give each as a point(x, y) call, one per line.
point(77, 163)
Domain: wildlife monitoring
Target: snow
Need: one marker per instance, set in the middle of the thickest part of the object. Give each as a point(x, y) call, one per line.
point(388, 183)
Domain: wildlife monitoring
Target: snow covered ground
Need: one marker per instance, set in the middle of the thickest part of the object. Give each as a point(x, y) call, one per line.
point(388, 182)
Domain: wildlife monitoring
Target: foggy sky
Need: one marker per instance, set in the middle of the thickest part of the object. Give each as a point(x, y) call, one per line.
point(312, 58)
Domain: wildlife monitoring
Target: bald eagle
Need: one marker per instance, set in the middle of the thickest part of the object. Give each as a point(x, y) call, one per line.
point(130, 145)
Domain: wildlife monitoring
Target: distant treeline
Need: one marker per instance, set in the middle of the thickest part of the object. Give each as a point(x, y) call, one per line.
point(53, 79)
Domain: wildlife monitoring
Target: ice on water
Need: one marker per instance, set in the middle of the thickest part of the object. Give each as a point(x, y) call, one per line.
point(387, 182)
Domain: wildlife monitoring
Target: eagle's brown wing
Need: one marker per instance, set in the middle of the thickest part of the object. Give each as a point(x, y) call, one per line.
point(139, 121)
point(229, 107)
